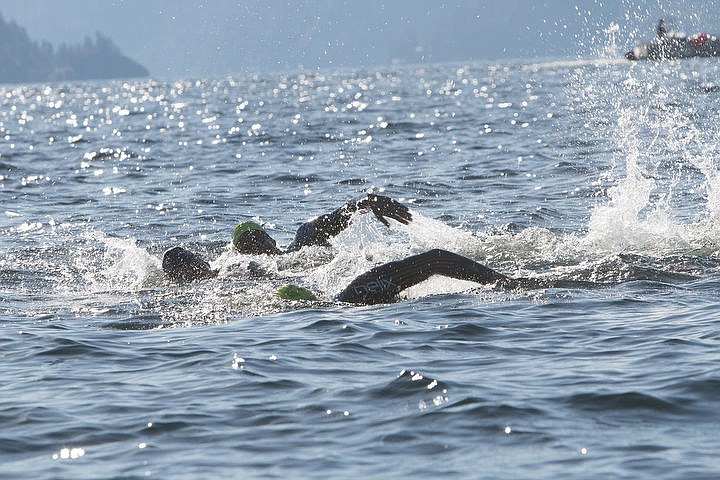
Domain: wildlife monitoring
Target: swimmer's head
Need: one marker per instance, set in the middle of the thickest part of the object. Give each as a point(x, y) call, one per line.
point(181, 265)
point(250, 238)
point(295, 292)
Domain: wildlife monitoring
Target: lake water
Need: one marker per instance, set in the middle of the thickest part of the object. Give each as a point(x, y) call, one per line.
point(604, 173)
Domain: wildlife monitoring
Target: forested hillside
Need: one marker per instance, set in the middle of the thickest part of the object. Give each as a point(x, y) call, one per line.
point(24, 60)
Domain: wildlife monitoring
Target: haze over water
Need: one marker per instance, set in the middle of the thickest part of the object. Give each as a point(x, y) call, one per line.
point(600, 172)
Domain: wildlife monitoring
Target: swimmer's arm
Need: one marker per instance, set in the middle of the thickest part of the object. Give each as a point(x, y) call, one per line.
point(382, 284)
point(321, 229)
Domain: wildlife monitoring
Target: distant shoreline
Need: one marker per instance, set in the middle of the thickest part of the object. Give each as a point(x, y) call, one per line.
point(23, 60)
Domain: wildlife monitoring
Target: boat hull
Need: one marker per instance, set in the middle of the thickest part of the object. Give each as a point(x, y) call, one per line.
point(700, 45)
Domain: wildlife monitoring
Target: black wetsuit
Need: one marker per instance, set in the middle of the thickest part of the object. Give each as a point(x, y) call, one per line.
point(382, 284)
point(254, 240)
point(321, 229)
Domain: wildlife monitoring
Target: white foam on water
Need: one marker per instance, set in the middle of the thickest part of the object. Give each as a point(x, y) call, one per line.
point(121, 265)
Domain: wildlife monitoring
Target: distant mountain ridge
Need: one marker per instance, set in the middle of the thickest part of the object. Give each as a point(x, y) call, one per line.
point(24, 60)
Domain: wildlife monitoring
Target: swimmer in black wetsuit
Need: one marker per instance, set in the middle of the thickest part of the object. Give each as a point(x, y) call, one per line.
point(382, 284)
point(250, 238)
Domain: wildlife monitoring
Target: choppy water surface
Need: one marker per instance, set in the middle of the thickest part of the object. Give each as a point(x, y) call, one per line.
point(601, 173)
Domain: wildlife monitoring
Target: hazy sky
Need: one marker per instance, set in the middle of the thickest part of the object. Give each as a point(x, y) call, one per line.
point(210, 37)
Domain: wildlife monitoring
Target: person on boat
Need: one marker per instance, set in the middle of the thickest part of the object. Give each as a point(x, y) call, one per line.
point(661, 30)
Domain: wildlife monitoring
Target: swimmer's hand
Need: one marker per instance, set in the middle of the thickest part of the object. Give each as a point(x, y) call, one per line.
point(383, 206)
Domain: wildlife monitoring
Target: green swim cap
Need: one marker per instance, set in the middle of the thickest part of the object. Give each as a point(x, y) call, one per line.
point(242, 228)
point(294, 292)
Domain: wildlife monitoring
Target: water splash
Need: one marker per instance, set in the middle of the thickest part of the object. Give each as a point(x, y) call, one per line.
point(115, 264)
point(661, 188)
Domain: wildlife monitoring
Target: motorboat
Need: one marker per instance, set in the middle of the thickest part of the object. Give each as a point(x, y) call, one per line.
point(673, 45)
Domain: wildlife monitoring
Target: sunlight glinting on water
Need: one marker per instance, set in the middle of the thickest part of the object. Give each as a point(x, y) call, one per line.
point(594, 180)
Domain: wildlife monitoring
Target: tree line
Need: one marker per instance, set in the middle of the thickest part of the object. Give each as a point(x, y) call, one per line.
point(23, 60)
